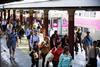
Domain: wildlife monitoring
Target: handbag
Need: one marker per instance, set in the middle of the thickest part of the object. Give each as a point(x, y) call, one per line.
point(49, 56)
point(34, 54)
point(48, 59)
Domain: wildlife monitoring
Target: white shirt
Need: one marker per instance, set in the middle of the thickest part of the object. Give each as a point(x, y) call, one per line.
point(34, 38)
point(51, 32)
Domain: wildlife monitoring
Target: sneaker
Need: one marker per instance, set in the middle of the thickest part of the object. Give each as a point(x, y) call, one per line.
point(76, 53)
point(10, 58)
point(81, 50)
point(13, 58)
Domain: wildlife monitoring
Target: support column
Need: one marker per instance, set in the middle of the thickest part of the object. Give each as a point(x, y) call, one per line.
point(14, 14)
point(4, 14)
point(8, 15)
point(46, 22)
point(1, 15)
point(31, 17)
point(21, 16)
point(71, 30)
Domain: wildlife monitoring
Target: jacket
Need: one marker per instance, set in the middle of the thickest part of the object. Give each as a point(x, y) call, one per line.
point(64, 60)
point(87, 40)
point(44, 48)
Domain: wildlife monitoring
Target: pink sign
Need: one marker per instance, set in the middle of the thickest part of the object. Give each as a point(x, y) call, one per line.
point(88, 23)
point(83, 22)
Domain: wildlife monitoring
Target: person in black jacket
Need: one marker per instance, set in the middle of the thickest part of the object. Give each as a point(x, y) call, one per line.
point(54, 39)
point(21, 33)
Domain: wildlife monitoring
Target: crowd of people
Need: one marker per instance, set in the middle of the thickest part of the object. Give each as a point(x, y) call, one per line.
point(51, 49)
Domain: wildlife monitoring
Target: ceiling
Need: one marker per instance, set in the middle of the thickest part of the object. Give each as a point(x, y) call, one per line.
point(7, 1)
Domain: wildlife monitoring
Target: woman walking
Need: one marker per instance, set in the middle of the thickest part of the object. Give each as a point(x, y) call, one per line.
point(11, 43)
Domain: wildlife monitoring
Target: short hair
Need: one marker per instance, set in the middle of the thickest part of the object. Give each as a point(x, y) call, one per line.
point(66, 48)
point(95, 42)
point(87, 32)
point(58, 43)
point(66, 35)
point(55, 31)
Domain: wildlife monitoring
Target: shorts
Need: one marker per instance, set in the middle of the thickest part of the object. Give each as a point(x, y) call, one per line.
point(12, 45)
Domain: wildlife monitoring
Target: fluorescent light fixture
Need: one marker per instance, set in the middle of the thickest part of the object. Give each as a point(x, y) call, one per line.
point(1, 6)
point(34, 0)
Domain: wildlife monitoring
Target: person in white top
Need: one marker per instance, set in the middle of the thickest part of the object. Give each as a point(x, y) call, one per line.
point(51, 32)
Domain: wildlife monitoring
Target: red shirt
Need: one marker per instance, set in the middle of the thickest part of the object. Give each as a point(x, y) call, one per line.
point(57, 52)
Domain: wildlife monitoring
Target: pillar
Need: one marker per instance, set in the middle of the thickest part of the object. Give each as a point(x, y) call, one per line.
point(31, 17)
point(4, 14)
point(8, 16)
point(14, 14)
point(1, 16)
point(21, 16)
point(71, 30)
point(46, 22)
